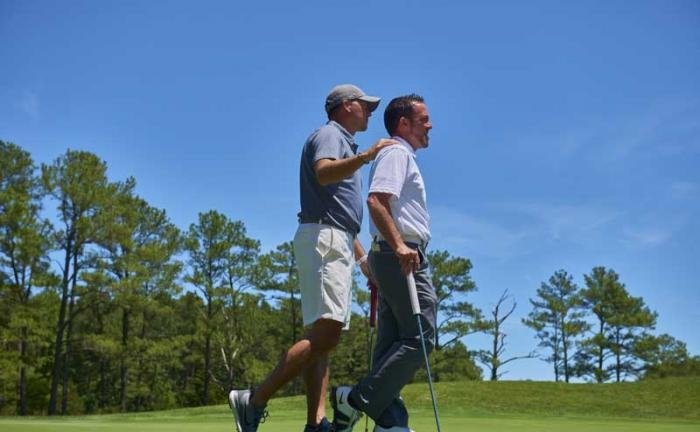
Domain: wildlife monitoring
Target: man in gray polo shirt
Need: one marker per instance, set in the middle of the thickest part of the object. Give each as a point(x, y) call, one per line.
point(326, 249)
point(401, 230)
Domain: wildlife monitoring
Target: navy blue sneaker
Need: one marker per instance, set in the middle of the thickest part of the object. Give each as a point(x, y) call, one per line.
point(323, 426)
point(392, 429)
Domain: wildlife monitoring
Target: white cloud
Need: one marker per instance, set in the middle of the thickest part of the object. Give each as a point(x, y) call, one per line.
point(655, 228)
point(30, 104)
point(477, 236)
point(683, 190)
point(588, 224)
point(508, 230)
point(518, 228)
point(567, 221)
point(649, 236)
point(663, 128)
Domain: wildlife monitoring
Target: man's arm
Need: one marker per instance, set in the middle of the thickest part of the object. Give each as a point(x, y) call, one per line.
point(380, 210)
point(361, 259)
point(334, 170)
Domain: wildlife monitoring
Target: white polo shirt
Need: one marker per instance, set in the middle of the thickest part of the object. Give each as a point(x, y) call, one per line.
point(395, 172)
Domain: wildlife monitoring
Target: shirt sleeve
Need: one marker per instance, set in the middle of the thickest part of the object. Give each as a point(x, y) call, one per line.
point(390, 169)
point(326, 145)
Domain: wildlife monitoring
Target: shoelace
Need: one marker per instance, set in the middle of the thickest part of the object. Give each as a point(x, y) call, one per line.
point(264, 416)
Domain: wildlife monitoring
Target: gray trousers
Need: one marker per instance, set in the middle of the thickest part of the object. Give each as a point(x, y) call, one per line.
point(398, 353)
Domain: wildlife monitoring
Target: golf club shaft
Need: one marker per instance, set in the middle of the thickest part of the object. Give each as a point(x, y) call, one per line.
point(372, 303)
point(413, 294)
point(372, 324)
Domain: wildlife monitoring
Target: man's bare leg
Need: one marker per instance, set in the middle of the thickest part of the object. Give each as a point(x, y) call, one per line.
point(318, 342)
point(316, 381)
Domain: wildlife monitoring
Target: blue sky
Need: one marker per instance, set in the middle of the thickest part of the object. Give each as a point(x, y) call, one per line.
point(566, 134)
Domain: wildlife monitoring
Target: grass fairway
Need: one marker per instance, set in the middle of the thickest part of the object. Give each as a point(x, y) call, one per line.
point(655, 406)
point(423, 424)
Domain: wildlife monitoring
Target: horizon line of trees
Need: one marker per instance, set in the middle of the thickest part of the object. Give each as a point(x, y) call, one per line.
point(601, 332)
point(108, 306)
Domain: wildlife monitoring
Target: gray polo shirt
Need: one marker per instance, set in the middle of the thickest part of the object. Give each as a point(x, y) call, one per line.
point(338, 204)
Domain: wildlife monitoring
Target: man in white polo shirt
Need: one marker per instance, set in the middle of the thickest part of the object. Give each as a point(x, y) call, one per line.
point(400, 226)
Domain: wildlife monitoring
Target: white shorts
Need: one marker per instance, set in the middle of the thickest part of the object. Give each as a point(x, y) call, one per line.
point(324, 257)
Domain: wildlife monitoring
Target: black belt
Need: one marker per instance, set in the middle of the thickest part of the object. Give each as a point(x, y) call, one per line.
point(319, 220)
point(410, 242)
point(323, 220)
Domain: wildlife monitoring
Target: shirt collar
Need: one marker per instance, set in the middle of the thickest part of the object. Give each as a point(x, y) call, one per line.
point(346, 134)
point(404, 143)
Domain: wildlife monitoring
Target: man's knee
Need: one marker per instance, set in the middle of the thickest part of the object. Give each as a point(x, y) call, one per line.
point(326, 344)
point(428, 335)
point(324, 335)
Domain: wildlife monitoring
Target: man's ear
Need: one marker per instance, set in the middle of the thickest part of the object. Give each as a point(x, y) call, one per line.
point(346, 105)
point(403, 121)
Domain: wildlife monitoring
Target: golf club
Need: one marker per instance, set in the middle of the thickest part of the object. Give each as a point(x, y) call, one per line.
point(415, 306)
point(372, 324)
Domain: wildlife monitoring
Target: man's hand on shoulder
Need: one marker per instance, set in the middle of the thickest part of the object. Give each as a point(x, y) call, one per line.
point(332, 171)
point(373, 151)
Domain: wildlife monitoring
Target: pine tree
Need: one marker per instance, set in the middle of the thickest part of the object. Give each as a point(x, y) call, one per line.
point(211, 244)
point(24, 264)
point(558, 319)
point(78, 182)
point(621, 320)
point(452, 282)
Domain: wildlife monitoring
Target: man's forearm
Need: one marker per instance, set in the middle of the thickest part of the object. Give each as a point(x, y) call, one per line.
point(333, 171)
point(358, 249)
point(380, 210)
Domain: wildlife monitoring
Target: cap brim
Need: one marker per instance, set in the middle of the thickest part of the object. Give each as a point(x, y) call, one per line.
point(372, 102)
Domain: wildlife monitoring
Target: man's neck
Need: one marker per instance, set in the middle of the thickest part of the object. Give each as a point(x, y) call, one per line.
point(404, 139)
point(345, 126)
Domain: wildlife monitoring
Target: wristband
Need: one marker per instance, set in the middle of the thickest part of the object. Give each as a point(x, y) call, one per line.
point(362, 259)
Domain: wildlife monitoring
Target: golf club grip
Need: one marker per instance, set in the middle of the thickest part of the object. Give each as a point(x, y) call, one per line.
point(372, 304)
point(413, 293)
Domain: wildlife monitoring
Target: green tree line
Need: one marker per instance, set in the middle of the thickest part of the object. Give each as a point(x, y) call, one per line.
point(600, 332)
point(107, 306)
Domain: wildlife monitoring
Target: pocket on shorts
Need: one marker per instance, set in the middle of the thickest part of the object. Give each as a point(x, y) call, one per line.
point(324, 243)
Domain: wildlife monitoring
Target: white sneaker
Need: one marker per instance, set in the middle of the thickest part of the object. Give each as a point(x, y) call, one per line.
point(344, 415)
point(246, 416)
